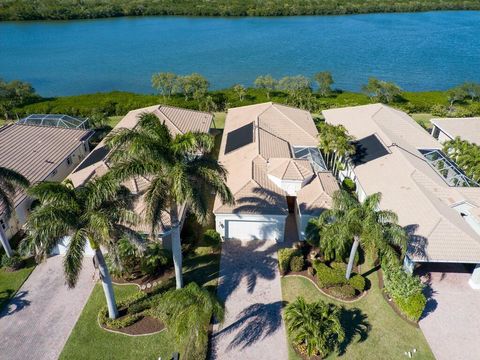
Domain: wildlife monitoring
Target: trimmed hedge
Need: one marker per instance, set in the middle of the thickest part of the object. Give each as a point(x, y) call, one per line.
point(297, 263)
point(357, 282)
point(284, 258)
point(211, 238)
point(413, 306)
point(334, 276)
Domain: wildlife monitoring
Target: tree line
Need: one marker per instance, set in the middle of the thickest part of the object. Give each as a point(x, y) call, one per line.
point(90, 9)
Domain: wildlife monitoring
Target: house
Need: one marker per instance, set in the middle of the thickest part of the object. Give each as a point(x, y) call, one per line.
point(449, 128)
point(435, 202)
point(40, 153)
point(178, 121)
point(275, 171)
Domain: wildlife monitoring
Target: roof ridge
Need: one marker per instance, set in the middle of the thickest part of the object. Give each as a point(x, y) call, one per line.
point(179, 108)
point(293, 122)
point(167, 118)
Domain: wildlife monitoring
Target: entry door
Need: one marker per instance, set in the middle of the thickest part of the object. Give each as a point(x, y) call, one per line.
point(291, 203)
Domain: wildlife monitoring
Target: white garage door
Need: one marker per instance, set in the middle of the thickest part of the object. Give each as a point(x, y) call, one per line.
point(252, 230)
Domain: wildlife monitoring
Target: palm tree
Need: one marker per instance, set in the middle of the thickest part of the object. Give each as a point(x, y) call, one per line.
point(187, 313)
point(181, 171)
point(96, 213)
point(376, 231)
point(334, 140)
point(315, 327)
point(10, 182)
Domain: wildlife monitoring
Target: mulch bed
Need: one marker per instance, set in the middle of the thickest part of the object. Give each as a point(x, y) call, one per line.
point(391, 302)
point(304, 356)
point(144, 326)
point(147, 282)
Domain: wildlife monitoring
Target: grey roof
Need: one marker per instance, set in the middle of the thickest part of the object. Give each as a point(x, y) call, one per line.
point(35, 151)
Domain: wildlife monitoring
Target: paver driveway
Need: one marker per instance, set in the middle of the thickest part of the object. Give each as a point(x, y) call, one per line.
point(38, 320)
point(250, 287)
point(451, 324)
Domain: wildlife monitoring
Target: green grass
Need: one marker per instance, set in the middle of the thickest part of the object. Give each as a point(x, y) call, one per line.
point(89, 341)
point(113, 121)
point(390, 336)
point(10, 282)
point(219, 119)
point(423, 119)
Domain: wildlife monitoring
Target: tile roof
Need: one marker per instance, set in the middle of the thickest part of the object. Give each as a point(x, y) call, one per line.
point(316, 196)
point(36, 151)
point(422, 200)
point(178, 121)
point(277, 129)
point(466, 128)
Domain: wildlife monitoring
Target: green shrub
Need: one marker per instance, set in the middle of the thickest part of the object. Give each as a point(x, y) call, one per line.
point(297, 263)
point(127, 320)
point(155, 259)
point(399, 284)
point(284, 257)
point(12, 263)
point(338, 266)
point(413, 306)
point(211, 238)
point(357, 282)
point(328, 277)
point(342, 292)
point(349, 185)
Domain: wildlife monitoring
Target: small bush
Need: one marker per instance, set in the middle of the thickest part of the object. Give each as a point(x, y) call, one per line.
point(349, 185)
point(413, 306)
point(211, 238)
point(328, 277)
point(12, 263)
point(284, 257)
point(357, 282)
point(155, 259)
point(297, 263)
point(342, 292)
point(339, 266)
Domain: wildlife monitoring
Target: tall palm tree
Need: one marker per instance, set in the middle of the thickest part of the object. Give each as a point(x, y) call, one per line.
point(353, 223)
point(316, 326)
point(181, 171)
point(96, 213)
point(10, 182)
point(187, 313)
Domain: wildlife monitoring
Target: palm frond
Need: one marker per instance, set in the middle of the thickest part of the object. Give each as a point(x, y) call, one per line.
point(72, 262)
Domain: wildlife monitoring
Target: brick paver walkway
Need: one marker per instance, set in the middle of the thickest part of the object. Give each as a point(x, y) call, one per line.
point(38, 320)
point(451, 324)
point(250, 286)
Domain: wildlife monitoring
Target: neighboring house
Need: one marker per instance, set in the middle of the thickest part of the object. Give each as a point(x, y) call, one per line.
point(449, 128)
point(437, 204)
point(178, 121)
point(275, 172)
point(40, 153)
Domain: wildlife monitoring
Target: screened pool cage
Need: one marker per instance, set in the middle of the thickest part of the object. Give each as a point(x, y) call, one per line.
point(447, 169)
point(311, 154)
point(56, 120)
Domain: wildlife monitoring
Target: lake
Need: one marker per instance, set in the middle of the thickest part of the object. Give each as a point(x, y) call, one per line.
point(418, 51)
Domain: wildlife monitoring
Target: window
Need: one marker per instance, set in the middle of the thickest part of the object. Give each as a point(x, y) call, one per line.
point(54, 172)
point(312, 154)
point(69, 160)
point(3, 224)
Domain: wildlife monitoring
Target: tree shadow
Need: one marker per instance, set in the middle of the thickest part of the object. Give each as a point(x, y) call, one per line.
point(16, 304)
point(417, 244)
point(253, 324)
point(356, 328)
point(251, 260)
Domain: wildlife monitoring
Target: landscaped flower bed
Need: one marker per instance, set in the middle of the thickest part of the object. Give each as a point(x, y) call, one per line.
point(328, 275)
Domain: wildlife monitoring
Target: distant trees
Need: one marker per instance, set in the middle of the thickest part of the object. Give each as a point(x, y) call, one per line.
point(382, 91)
point(324, 81)
point(266, 82)
point(299, 90)
point(240, 90)
point(191, 86)
point(14, 93)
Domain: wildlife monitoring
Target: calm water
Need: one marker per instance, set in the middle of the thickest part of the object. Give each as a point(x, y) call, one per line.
point(419, 51)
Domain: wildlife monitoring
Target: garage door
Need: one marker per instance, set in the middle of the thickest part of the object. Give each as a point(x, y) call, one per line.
point(252, 230)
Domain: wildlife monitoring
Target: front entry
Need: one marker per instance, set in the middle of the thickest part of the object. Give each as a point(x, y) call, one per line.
point(291, 203)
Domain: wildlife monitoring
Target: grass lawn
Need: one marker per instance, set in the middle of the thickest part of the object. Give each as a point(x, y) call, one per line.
point(10, 282)
point(389, 337)
point(89, 341)
point(113, 121)
point(219, 120)
point(423, 119)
